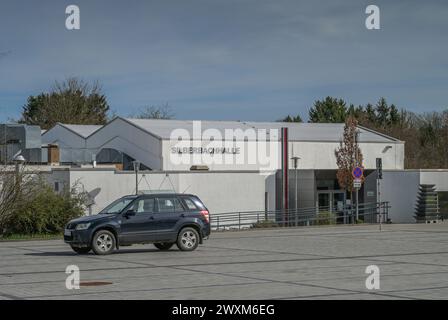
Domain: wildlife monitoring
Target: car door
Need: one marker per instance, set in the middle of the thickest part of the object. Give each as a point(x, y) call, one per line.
point(169, 212)
point(137, 225)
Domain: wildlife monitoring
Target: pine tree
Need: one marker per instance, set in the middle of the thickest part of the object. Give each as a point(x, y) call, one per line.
point(382, 112)
point(394, 115)
point(329, 110)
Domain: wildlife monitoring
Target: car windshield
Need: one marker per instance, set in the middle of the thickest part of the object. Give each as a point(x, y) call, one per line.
point(117, 206)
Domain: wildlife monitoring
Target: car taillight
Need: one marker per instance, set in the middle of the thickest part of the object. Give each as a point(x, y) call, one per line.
point(205, 214)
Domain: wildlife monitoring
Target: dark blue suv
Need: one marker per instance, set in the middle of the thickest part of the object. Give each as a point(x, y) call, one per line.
point(162, 219)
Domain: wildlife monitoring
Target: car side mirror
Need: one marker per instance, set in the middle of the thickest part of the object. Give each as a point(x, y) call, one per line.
point(129, 213)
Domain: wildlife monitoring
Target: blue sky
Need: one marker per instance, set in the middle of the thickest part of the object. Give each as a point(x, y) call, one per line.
point(228, 59)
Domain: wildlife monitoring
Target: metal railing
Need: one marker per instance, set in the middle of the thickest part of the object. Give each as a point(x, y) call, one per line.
point(367, 213)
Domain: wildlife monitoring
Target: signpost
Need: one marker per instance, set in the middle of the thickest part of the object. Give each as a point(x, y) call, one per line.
point(379, 176)
point(358, 173)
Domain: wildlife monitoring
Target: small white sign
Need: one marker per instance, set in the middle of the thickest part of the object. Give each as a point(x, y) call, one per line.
point(357, 183)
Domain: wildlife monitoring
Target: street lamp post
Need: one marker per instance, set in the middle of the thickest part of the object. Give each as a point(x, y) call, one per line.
point(296, 161)
point(18, 160)
point(136, 164)
point(357, 164)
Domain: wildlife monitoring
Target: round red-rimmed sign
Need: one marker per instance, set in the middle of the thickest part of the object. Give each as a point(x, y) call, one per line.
point(358, 172)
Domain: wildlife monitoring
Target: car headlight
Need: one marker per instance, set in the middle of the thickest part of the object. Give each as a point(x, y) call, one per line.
point(82, 226)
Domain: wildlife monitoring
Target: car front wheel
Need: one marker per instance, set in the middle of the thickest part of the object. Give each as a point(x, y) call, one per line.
point(188, 239)
point(103, 242)
point(163, 245)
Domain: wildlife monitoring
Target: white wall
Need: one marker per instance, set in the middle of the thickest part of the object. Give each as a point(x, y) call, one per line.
point(320, 155)
point(220, 191)
point(314, 155)
point(400, 189)
point(437, 177)
point(252, 155)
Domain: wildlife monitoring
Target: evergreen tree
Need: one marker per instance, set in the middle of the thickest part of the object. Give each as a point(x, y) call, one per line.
point(394, 115)
point(292, 119)
point(382, 112)
point(370, 113)
point(329, 110)
point(72, 101)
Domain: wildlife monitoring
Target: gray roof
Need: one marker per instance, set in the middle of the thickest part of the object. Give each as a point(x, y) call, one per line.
point(81, 129)
point(331, 132)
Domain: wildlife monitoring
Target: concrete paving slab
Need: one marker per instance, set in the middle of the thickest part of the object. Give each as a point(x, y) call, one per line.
point(292, 263)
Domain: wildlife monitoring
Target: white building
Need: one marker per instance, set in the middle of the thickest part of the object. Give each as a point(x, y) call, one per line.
point(242, 159)
point(156, 144)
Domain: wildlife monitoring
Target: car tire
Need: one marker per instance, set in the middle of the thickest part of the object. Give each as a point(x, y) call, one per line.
point(164, 245)
point(188, 239)
point(103, 242)
point(83, 250)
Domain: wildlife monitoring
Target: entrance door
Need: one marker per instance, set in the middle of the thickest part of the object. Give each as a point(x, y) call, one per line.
point(330, 200)
point(323, 201)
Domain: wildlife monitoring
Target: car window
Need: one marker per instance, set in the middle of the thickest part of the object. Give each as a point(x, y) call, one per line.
point(190, 204)
point(198, 203)
point(169, 204)
point(143, 205)
point(117, 206)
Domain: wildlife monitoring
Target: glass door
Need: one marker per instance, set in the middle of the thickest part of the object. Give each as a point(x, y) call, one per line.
point(330, 200)
point(323, 201)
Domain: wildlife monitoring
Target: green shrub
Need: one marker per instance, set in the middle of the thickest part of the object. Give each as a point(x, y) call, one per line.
point(265, 224)
point(325, 218)
point(45, 211)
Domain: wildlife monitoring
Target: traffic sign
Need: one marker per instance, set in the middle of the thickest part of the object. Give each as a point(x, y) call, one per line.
point(358, 172)
point(357, 183)
point(379, 168)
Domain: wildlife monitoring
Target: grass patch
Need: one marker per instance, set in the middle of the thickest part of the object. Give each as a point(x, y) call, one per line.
point(265, 224)
point(36, 236)
point(326, 218)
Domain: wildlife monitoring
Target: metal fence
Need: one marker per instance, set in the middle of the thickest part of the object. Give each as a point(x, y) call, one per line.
point(367, 213)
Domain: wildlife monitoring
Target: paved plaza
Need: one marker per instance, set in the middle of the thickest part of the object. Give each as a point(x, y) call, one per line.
point(292, 263)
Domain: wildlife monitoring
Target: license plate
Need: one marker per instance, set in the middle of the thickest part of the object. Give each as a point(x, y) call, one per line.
point(67, 233)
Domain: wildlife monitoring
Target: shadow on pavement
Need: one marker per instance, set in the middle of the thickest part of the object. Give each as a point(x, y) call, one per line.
point(121, 251)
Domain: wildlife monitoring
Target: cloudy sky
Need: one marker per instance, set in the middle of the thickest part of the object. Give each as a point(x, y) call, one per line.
point(228, 59)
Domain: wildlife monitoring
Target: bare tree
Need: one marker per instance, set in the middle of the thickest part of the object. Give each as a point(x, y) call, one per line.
point(15, 186)
point(28, 204)
point(348, 155)
point(156, 112)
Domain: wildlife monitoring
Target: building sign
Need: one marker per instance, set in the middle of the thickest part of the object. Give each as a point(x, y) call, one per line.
point(357, 183)
point(202, 150)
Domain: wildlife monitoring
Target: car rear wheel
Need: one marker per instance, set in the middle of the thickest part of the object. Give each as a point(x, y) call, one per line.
point(103, 242)
point(188, 239)
point(164, 245)
point(79, 250)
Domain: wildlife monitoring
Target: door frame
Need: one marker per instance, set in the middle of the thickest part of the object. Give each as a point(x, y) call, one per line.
point(331, 194)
